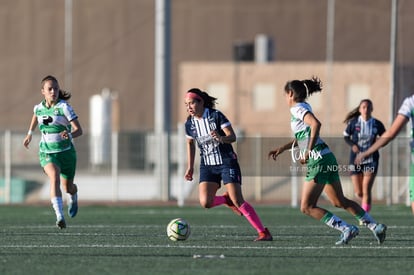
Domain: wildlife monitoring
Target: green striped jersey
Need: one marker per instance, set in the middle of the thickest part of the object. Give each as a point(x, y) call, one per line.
point(407, 110)
point(52, 121)
point(302, 131)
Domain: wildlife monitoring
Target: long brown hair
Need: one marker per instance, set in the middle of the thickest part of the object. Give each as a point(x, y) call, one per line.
point(355, 112)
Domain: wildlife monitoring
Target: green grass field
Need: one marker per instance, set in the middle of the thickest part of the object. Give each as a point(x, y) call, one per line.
point(132, 240)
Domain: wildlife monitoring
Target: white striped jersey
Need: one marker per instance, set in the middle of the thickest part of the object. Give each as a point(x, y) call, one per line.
point(211, 151)
point(52, 121)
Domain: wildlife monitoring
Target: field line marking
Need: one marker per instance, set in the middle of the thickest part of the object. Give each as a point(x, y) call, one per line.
point(210, 247)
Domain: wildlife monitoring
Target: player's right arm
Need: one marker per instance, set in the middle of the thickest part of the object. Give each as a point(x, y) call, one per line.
point(32, 127)
point(348, 137)
point(274, 153)
point(190, 159)
point(399, 122)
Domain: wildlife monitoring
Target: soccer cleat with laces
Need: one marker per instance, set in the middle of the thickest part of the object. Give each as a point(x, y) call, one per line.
point(231, 205)
point(380, 231)
point(61, 224)
point(349, 233)
point(264, 236)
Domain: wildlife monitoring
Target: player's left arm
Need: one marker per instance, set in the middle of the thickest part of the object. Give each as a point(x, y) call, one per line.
point(226, 128)
point(75, 126)
point(76, 129)
point(315, 127)
point(229, 135)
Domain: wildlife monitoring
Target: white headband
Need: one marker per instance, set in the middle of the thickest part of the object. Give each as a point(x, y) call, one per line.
point(307, 90)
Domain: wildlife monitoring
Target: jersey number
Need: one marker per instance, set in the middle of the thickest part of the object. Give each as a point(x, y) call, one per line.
point(47, 120)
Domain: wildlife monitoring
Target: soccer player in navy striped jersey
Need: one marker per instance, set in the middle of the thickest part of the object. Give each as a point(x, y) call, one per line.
point(405, 113)
point(361, 132)
point(317, 156)
point(213, 133)
point(58, 125)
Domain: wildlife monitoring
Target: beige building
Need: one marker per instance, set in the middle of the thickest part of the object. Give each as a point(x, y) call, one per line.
point(252, 94)
point(110, 44)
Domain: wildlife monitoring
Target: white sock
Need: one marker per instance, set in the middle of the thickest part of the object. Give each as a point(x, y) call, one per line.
point(368, 221)
point(336, 223)
point(57, 204)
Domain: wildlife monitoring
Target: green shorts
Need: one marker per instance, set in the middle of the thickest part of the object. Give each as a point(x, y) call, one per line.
point(65, 160)
point(323, 170)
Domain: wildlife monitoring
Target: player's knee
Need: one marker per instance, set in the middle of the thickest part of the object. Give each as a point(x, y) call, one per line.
point(305, 209)
point(205, 203)
point(338, 205)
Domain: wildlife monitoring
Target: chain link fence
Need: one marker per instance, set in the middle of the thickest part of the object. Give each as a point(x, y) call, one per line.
point(134, 176)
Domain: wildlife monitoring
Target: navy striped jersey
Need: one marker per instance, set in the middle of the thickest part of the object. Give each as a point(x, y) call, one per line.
point(364, 134)
point(52, 121)
point(211, 151)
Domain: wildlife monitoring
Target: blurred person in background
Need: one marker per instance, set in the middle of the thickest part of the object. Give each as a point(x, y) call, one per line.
point(213, 133)
point(58, 125)
point(405, 113)
point(319, 160)
point(361, 132)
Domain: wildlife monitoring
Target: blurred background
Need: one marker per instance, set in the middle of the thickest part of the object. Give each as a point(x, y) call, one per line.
point(128, 64)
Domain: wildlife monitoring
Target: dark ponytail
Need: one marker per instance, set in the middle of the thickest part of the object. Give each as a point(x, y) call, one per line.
point(302, 89)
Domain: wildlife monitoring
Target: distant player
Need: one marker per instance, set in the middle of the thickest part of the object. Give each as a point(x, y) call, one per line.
point(361, 132)
point(58, 125)
point(213, 133)
point(317, 156)
point(405, 113)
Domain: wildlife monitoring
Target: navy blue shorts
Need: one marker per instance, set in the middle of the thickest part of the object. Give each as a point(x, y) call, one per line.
point(228, 173)
point(371, 167)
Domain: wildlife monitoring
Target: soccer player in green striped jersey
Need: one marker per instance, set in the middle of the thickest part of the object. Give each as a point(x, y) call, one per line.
point(58, 125)
point(321, 166)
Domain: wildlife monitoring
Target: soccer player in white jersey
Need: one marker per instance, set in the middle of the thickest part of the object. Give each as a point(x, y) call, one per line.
point(213, 133)
point(405, 113)
point(58, 125)
point(362, 130)
point(320, 161)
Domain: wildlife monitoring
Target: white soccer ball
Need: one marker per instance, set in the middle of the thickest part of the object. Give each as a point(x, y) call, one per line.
point(178, 230)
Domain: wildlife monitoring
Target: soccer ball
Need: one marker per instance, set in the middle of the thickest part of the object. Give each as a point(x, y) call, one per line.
point(178, 230)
